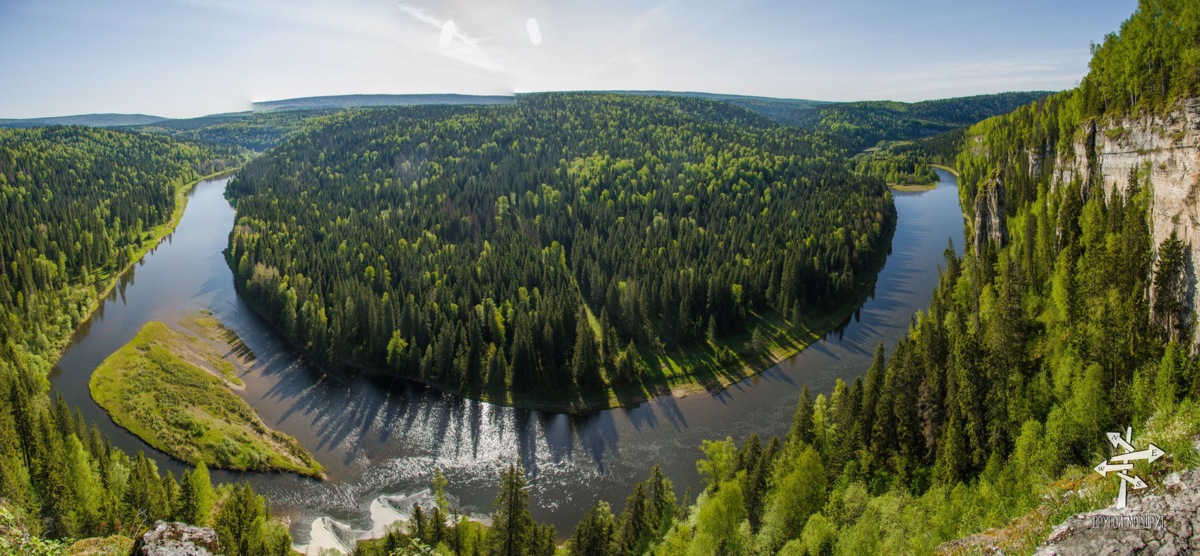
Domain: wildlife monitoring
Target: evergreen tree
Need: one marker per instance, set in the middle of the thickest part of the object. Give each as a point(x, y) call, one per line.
point(196, 497)
point(240, 520)
point(512, 524)
point(593, 535)
point(585, 364)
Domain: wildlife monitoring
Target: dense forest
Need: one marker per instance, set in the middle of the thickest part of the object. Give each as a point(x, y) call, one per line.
point(551, 244)
point(863, 124)
point(254, 131)
point(995, 403)
point(79, 205)
point(896, 167)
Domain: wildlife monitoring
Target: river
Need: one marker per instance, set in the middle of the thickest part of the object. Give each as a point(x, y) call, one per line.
point(381, 437)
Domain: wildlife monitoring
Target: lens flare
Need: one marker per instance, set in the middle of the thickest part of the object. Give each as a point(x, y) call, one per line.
point(448, 30)
point(535, 32)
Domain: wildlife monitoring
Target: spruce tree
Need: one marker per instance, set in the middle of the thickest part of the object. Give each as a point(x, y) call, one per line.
point(512, 524)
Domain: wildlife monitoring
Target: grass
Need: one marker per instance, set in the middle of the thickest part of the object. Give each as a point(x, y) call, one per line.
point(153, 388)
point(946, 168)
point(926, 187)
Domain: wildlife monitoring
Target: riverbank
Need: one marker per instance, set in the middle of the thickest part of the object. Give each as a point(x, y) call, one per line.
point(913, 188)
point(946, 168)
point(678, 373)
point(173, 391)
point(156, 236)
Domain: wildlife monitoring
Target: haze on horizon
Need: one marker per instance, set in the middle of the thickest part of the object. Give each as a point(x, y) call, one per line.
point(184, 58)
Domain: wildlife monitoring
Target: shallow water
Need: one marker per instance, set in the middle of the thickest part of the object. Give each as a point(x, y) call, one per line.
point(382, 437)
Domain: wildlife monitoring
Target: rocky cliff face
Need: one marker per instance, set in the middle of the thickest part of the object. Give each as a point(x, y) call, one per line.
point(991, 214)
point(1164, 148)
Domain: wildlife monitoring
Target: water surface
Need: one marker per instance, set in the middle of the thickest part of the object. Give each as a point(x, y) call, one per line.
point(380, 436)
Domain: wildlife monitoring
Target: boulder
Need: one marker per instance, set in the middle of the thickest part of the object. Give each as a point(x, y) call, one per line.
point(178, 539)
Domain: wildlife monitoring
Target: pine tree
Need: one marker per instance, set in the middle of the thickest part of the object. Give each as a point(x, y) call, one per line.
point(593, 535)
point(84, 487)
point(1170, 288)
point(196, 497)
point(634, 524)
point(802, 420)
point(512, 524)
point(662, 502)
point(239, 520)
point(585, 364)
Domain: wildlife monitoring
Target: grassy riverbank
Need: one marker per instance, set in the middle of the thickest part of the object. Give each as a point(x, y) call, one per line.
point(173, 391)
point(902, 187)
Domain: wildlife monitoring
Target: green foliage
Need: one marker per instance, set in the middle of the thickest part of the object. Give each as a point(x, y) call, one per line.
point(863, 124)
point(78, 203)
point(997, 398)
point(895, 167)
point(245, 528)
point(1153, 61)
point(196, 497)
point(255, 131)
point(441, 242)
point(513, 529)
point(181, 409)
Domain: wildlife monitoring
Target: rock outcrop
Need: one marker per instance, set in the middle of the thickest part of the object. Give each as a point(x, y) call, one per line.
point(1162, 524)
point(991, 215)
point(178, 539)
point(1163, 148)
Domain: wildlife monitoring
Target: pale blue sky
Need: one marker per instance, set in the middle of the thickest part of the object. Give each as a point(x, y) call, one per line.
point(181, 58)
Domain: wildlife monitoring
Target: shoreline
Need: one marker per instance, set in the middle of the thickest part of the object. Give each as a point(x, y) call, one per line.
point(630, 396)
point(162, 231)
point(223, 413)
point(913, 188)
point(948, 169)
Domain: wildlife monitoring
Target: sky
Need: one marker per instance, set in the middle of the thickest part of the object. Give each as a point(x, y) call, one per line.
point(186, 58)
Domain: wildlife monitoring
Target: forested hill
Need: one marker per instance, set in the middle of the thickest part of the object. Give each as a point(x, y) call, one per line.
point(1036, 342)
point(360, 101)
point(256, 131)
point(865, 123)
point(93, 120)
point(79, 205)
point(555, 244)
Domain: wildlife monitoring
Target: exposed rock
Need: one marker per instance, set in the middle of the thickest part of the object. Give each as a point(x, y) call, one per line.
point(178, 539)
point(112, 546)
point(1167, 146)
point(991, 215)
point(1160, 524)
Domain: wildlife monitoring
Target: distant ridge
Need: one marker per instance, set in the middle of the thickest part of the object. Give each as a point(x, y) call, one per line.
point(796, 102)
point(354, 101)
point(92, 120)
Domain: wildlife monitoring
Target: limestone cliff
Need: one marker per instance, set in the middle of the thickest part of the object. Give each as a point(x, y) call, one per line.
point(991, 215)
point(1164, 148)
